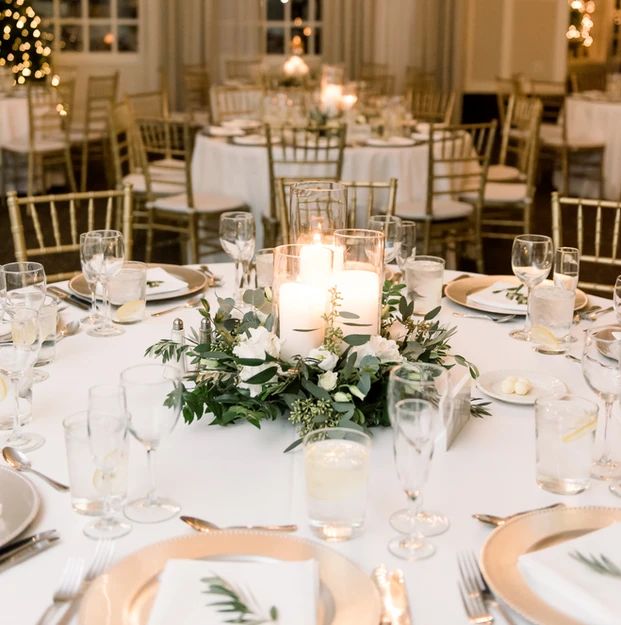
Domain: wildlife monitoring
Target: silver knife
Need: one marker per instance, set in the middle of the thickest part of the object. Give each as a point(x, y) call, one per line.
point(30, 550)
point(16, 545)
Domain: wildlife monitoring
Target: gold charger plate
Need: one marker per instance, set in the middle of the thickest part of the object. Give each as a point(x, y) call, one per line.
point(125, 594)
point(531, 532)
point(195, 279)
point(459, 290)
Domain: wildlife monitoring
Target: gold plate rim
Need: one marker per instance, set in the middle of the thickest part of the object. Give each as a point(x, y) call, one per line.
point(505, 544)
point(195, 279)
point(28, 489)
point(458, 290)
point(110, 597)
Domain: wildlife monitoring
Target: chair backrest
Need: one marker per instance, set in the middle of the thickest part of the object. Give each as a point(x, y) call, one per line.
point(246, 70)
point(432, 106)
point(149, 104)
point(593, 227)
point(418, 79)
point(196, 88)
point(66, 98)
point(303, 153)
point(46, 114)
point(520, 133)
point(123, 141)
point(101, 93)
point(505, 88)
point(229, 102)
point(458, 159)
point(51, 224)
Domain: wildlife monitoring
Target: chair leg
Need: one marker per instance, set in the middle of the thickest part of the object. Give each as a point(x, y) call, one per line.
point(565, 172)
point(69, 166)
point(193, 224)
point(84, 166)
point(149, 243)
point(31, 174)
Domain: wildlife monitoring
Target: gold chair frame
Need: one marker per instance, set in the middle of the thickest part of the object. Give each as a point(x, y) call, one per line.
point(432, 106)
point(229, 102)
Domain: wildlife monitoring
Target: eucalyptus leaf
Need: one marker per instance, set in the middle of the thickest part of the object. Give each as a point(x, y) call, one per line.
point(357, 339)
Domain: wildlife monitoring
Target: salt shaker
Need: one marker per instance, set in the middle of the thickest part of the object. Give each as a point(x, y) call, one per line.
point(178, 336)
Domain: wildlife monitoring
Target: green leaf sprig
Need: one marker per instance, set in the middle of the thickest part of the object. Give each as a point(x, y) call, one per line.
point(599, 564)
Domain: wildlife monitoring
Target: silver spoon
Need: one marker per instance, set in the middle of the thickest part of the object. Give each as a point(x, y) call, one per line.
point(200, 525)
point(492, 519)
point(69, 329)
point(21, 462)
point(501, 319)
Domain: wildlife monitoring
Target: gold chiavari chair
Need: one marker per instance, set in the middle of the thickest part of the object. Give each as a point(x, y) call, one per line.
point(230, 102)
point(588, 79)
point(244, 70)
point(47, 225)
point(593, 227)
point(193, 216)
point(458, 158)
point(149, 104)
point(432, 106)
point(298, 153)
point(196, 91)
point(505, 88)
point(418, 79)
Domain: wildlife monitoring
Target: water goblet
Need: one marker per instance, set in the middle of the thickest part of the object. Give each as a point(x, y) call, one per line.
point(415, 428)
point(103, 252)
point(419, 380)
point(566, 268)
point(600, 367)
point(407, 248)
point(107, 435)
point(237, 237)
point(531, 261)
point(153, 395)
point(94, 318)
point(390, 225)
point(22, 285)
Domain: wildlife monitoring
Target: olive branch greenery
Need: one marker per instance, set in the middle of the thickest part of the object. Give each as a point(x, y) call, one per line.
point(599, 564)
point(514, 293)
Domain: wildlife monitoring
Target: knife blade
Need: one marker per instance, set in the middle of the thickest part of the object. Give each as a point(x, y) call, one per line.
point(28, 551)
point(68, 297)
point(10, 548)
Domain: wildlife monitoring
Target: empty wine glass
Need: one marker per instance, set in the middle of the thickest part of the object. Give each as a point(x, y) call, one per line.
point(16, 362)
point(531, 261)
point(617, 298)
point(237, 237)
point(390, 225)
point(102, 253)
point(94, 318)
point(107, 436)
point(419, 380)
point(22, 285)
point(407, 247)
point(600, 367)
point(415, 427)
point(153, 393)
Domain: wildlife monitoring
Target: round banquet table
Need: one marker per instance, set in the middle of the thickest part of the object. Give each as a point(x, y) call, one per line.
point(240, 475)
point(219, 166)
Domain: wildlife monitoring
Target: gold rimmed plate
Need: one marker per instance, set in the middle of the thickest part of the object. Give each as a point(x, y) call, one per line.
point(125, 594)
point(459, 290)
point(20, 504)
point(528, 533)
point(196, 281)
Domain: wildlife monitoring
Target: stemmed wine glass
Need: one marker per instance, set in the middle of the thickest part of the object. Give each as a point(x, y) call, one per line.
point(153, 394)
point(617, 298)
point(237, 237)
point(416, 424)
point(531, 261)
point(390, 225)
point(407, 247)
point(16, 362)
point(94, 319)
point(419, 380)
point(601, 370)
point(102, 253)
point(107, 435)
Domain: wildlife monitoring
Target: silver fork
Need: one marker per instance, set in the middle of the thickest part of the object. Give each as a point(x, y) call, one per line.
point(474, 570)
point(70, 582)
point(471, 597)
point(192, 303)
point(501, 319)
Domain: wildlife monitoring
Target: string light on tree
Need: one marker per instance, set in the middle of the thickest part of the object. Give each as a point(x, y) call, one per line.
point(24, 46)
point(580, 23)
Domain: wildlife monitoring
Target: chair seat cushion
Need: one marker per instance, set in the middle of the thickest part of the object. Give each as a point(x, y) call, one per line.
point(443, 210)
point(204, 203)
point(499, 173)
point(79, 135)
point(43, 145)
point(550, 133)
point(576, 143)
point(159, 188)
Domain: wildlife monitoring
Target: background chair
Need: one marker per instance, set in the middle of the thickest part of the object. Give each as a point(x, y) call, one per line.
point(51, 224)
point(591, 78)
point(196, 92)
point(149, 104)
point(432, 106)
point(244, 70)
point(229, 102)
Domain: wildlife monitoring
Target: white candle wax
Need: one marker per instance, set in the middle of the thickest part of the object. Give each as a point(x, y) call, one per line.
point(315, 264)
point(360, 294)
point(300, 307)
point(348, 101)
point(331, 98)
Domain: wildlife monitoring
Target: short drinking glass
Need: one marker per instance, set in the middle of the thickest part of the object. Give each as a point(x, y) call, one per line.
point(551, 310)
point(390, 225)
point(423, 278)
point(407, 249)
point(237, 237)
point(127, 291)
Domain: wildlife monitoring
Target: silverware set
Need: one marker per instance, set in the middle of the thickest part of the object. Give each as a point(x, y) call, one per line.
point(20, 462)
point(496, 319)
point(591, 313)
point(24, 548)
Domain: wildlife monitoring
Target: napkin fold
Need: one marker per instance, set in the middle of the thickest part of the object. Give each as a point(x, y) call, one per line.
point(290, 587)
point(571, 586)
point(168, 282)
point(499, 301)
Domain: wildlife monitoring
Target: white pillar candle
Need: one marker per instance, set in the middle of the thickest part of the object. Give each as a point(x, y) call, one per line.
point(331, 99)
point(360, 295)
point(315, 264)
point(300, 308)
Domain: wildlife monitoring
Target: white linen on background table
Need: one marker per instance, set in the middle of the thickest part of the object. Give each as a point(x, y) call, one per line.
point(240, 475)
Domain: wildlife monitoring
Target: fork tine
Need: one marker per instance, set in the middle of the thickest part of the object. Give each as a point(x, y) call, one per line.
point(478, 573)
point(101, 559)
point(468, 582)
point(473, 569)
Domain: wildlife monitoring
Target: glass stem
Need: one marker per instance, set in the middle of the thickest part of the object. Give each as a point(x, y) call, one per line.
point(107, 517)
point(105, 307)
point(17, 422)
point(527, 324)
point(239, 276)
point(605, 441)
point(93, 289)
point(415, 501)
point(151, 498)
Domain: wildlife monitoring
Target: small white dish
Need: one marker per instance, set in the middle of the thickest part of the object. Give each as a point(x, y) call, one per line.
point(543, 384)
point(241, 124)
point(219, 131)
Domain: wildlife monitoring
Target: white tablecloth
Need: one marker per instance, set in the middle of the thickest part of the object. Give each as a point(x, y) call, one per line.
point(239, 474)
point(599, 121)
point(13, 119)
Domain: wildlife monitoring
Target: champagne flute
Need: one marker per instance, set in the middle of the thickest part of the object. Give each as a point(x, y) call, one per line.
point(153, 394)
point(107, 436)
point(531, 261)
point(16, 362)
point(600, 367)
point(237, 237)
point(416, 425)
point(94, 319)
point(103, 252)
point(407, 248)
point(390, 225)
point(567, 268)
point(419, 380)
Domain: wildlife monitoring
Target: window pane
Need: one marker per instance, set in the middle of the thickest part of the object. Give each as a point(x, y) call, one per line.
point(317, 40)
point(99, 8)
point(300, 38)
point(44, 8)
point(275, 40)
point(299, 9)
point(275, 10)
point(101, 38)
point(71, 38)
point(128, 38)
point(127, 8)
point(71, 8)
point(318, 4)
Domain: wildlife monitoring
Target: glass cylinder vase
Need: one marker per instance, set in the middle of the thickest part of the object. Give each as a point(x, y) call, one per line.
point(317, 209)
point(358, 277)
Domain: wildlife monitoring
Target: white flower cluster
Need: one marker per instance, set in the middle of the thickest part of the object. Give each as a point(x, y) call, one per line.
point(258, 345)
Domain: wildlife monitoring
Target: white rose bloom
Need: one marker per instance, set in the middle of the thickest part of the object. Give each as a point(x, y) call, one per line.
point(327, 380)
point(326, 360)
point(248, 372)
point(384, 349)
point(260, 342)
point(397, 331)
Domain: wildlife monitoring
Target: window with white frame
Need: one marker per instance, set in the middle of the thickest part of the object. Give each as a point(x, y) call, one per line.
point(107, 26)
point(292, 24)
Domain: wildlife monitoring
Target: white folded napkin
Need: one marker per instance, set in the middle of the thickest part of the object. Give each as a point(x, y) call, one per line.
point(498, 301)
point(219, 131)
point(572, 587)
point(291, 587)
point(169, 283)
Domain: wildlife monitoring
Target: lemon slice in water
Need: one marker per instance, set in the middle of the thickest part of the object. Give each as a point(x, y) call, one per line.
point(130, 311)
point(541, 335)
point(579, 432)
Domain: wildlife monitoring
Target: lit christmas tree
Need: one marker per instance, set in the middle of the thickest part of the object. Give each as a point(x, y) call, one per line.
point(24, 47)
